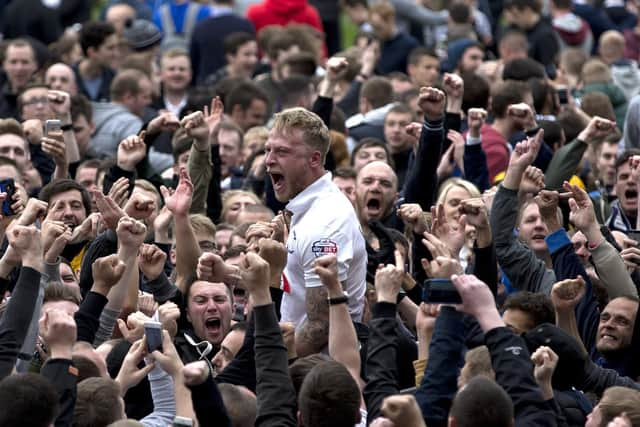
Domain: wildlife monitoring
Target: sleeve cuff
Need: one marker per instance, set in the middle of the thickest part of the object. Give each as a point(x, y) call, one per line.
point(557, 240)
point(473, 141)
point(384, 309)
point(433, 124)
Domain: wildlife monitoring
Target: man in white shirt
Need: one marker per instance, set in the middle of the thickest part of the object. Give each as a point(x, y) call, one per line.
point(323, 221)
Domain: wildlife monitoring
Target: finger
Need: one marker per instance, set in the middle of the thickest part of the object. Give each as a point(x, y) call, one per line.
point(399, 259)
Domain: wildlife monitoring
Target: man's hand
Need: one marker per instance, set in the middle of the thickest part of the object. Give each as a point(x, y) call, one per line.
point(275, 253)
point(432, 102)
point(596, 130)
point(168, 358)
point(631, 258)
point(131, 151)
point(388, 280)
point(566, 294)
point(109, 209)
point(119, 191)
point(140, 206)
point(55, 237)
point(106, 271)
point(35, 209)
point(256, 277)
point(151, 261)
point(195, 373)
point(545, 362)
point(402, 410)
point(26, 241)
point(441, 267)
point(258, 231)
point(179, 202)
point(478, 301)
point(522, 156)
point(522, 115)
point(131, 233)
point(475, 120)
point(147, 304)
point(213, 114)
point(211, 268)
point(413, 217)
point(168, 315)
point(327, 268)
point(288, 330)
point(60, 104)
point(59, 333)
point(33, 131)
point(454, 88)
point(196, 128)
point(532, 181)
point(129, 374)
point(166, 121)
point(88, 230)
point(133, 329)
point(54, 146)
point(426, 319)
point(451, 233)
point(582, 215)
point(476, 213)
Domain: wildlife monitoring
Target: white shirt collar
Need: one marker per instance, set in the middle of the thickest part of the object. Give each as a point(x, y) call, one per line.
point(300, 203)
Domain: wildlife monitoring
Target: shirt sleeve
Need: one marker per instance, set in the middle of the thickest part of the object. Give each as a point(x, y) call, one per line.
point(324, 243)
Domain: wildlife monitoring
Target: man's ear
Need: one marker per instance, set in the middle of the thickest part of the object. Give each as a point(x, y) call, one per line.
point(91, 51)
point(299, 416)
point(92, 127)
point(316, 159)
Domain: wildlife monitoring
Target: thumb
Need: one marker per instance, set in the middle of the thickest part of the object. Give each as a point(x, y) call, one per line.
point(573, 205)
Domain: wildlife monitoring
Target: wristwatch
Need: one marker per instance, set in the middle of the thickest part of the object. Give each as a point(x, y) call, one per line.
point(339, 300)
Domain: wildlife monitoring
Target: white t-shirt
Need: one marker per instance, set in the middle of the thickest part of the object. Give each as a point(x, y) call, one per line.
point(323, 222)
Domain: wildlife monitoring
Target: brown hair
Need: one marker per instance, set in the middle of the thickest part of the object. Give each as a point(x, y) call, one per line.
point(126, 82)
point(617, 400)
point(56, 291)
point(98, 403)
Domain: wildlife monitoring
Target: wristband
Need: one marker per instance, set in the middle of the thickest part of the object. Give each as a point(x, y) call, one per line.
point(339, 300)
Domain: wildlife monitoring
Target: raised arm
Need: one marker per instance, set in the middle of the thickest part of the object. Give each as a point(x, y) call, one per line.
point(343, 341)
point(187, 248)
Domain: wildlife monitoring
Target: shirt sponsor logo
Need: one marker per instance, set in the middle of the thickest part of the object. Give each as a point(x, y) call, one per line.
point(324, 247)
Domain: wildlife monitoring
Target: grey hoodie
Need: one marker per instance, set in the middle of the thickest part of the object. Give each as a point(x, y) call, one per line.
point(626, 75)
point(114, 122)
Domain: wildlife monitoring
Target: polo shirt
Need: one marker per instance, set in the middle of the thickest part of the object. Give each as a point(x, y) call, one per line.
point(323, 222)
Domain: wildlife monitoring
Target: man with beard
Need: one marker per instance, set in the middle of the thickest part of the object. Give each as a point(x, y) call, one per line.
point(376, 193)
point(70, 203)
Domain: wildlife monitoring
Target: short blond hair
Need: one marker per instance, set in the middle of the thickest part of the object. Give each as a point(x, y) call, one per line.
point(230, 194)
point(595, 71)
point(617, 400)
point(202, 224)
point(315, 132)
point(612, 44)
point(384, 9)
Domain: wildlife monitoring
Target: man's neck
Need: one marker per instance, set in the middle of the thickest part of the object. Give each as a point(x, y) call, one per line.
point(90, 70)
point(503, 127)
point(175, 97)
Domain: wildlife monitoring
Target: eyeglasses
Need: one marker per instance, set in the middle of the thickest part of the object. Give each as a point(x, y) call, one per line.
point(33, 101)
point(207, 246)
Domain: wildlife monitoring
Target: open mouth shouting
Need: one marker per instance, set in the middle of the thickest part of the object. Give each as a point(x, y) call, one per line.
point(212, 325)
point(373, 206)
point(277, 179)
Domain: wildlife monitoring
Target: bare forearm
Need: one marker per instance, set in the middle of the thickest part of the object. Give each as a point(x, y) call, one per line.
point(121, 291)
point(513, 178)
point(408, 311)
point(184, 406)
point(343, 341)
point(73, 152)
point(187, 249)
point(566, 320)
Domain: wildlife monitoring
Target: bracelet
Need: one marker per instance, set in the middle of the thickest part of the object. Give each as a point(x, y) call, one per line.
point(67, 127)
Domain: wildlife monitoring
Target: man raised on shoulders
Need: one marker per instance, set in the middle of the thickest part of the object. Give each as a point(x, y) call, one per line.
point(322, 221)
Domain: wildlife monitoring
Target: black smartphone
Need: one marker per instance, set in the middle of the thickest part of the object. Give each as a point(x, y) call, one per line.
point(440, 291)
point(153, 334)
point(563, 96)
point(8, 186)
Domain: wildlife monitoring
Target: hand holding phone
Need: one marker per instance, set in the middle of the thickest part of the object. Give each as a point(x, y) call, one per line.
point(8, 186)
point(153, 334)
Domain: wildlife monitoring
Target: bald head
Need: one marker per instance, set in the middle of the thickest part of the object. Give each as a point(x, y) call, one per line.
point(118, 15)
point(611, 46)
point(376, 191)
point(60, 76)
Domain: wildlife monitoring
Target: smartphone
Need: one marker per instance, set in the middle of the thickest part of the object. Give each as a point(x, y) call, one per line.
point(52, 126)
point(8, 186)
point(563, 96)
point(153, 333)
point(440, 291)
point(182, 422)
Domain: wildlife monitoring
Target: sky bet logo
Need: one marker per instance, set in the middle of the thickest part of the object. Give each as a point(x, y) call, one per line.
point(324, 247)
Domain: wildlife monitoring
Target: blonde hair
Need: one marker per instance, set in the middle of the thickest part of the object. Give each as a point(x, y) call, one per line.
point(315, 133)
point(384, 9)
point(477, 362)
point(202, 224)
point(230, 194)
point(452, 183)
point(339, 149)
point(147, 186)
point(257, 132)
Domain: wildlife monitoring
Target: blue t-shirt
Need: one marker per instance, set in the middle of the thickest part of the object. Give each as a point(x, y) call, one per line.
point(178, 12)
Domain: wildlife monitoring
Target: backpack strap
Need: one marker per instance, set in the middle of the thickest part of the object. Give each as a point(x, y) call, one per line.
point(190, 20)
point(168, 27)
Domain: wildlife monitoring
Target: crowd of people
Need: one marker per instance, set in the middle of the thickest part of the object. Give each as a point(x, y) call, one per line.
point(216, 214)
